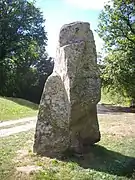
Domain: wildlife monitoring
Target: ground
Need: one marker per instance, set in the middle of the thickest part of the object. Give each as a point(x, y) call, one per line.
point(113, 158)
point(15, 108)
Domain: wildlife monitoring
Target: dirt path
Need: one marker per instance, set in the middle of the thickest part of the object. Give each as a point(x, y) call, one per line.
point(114, 110)
point(22, 120)
point(26, 124)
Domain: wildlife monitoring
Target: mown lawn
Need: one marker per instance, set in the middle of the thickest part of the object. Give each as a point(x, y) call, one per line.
point(15, 108)
point(113, 158)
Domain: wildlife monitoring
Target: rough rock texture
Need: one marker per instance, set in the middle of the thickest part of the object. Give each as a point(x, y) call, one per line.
point(67, 115)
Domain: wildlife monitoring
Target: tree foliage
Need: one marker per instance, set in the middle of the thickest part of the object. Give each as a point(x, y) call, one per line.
point(117, 28)
point(22, 49)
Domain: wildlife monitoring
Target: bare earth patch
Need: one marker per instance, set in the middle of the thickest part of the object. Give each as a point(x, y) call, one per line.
point(120, 125)
point(117, 121)
point(28, 169)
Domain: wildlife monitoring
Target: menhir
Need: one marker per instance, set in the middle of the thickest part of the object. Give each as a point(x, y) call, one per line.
point(67, 117)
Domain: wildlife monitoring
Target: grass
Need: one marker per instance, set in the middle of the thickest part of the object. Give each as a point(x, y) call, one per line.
point(113, 158)
point(15, 108)
point(8, 149)
point(114, 98)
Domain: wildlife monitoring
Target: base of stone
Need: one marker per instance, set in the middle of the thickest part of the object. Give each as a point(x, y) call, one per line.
point(72, 151)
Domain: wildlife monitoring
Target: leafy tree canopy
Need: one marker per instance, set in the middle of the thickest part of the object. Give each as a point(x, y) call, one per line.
point(22, 47)
point(117, 28)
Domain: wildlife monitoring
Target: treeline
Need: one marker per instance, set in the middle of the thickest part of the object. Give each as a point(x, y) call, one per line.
point(24, 63)
point(117, 28)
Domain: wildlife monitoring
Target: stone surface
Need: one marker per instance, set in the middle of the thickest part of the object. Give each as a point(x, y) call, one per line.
point(67, 114)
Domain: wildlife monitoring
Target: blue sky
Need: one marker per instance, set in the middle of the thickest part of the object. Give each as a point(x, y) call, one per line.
point(60, 12)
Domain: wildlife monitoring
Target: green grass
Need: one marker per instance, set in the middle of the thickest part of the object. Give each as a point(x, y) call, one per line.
point(114, 98)
point(113, 158)
point(8, 149)
point(15, 108)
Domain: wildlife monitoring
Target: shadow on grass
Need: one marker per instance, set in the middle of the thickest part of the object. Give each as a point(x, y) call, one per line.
point(108, 108)
point(23, 102)
point(104, 160)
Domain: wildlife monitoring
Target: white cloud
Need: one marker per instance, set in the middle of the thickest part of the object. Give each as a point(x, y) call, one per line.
point(87, 4)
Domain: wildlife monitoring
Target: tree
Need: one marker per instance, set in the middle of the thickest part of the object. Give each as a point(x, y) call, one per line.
point(117, 25)
point(117, 28)
point(22, 46)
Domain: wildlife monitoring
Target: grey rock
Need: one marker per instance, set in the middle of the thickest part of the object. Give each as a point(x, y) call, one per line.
point(67, 116)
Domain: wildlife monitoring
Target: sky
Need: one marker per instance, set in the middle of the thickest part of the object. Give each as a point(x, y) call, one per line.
point(60, 12)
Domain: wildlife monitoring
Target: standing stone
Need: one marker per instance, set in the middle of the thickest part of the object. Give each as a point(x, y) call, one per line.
point(67, 117)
